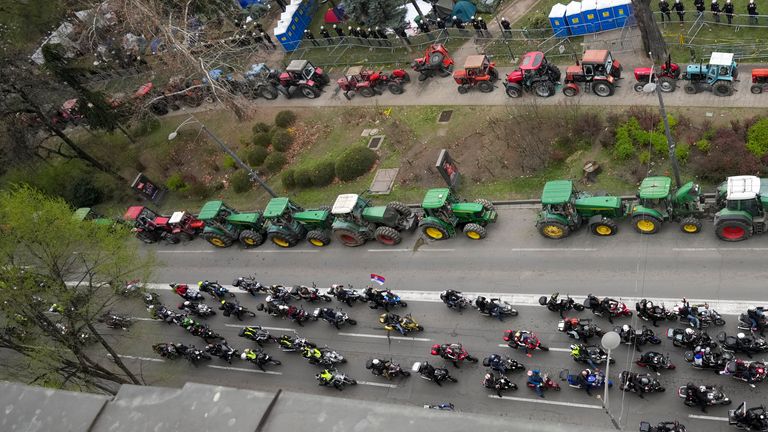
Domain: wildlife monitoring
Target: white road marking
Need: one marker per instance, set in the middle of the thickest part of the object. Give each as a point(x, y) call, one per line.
point(547, 402)
point(701, 417)
point(185, 251)
point(568, 350)
point(139, 358)
point(390, 250)
point(551, 249)
point(375, 384)
point(281, 251)
point(385, 337)
point(145, 319)
point(245, 370)
point(265, 328)
point(693, 249)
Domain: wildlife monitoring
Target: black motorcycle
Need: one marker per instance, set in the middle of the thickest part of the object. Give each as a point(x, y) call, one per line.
point(592, 355)
point(309, 294)
point(742, 343)
point(714, 361)
point(222, 351)
point(215, 289)
point(201, 310)
point(294, 343)
point(195, 355)
point(502, 365)
point(560, 305)
point(637, 337)
point(116, 321)
point(259, 358)
point(236, 310)
point(579, 328)
point(333, 317)
point(256, 334)
point(751, 419)
point(383, 298)
point(713, 395)
point(346, 295)
point(655, 361)
point(690, 339)
point(431, 373)
point(454, 300)
point(170, 351)
point(499, 383)
point(667, 426)
point(386, 368)
point(648, 311)
point(249, 284)
point(639, 383)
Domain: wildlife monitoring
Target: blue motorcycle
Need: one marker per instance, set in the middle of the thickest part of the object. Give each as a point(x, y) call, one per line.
point(594, 380)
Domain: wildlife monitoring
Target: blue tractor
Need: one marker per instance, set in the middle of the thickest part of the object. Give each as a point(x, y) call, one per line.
point(717, 76)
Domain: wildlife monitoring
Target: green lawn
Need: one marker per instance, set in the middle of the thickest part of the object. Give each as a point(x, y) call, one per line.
point(24, 23)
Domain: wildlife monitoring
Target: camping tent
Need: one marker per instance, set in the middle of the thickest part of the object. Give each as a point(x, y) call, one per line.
point(464, 10)
point(334, 15)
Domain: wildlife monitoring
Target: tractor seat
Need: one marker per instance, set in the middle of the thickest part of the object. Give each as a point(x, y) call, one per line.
point(160, 221)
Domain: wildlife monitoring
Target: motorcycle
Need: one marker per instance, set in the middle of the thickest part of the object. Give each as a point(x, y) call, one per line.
point(715, 361)
point(348, 296)
point(195, 355)
point(163, 313)
point(335, 318)
point(524, 339)
point(579, 328)
point(547, 383)
point(751, 372)
point(430, 373)
point(638, 338)
point(494, 308)
point(249, 284)
point(256, 334)
point(383, 298)
point(151, 299)
point(293, 313)
point(335, 379)
point(402, 325)
point(201, 310)
point(259, 358)
point(607, 307)
point(309, 294)
point(222, 351)
point(499, 384)
point(454, 300)
point(200, 330)
point(561, 306)
point(235, 309)
point(170, 351)
point(323, 356)
point(751, 419)
point(640, 383)
point(502, 365)
point(215, 289)
point(671, 426)
point(683, 338)
point(655, 361)
point(705, 315)
point(116, 321)
point(455, 353)
point(746, 324)
point(715, 396)
point(131, 289)
point(186, 293)
point(294, 343)
point(278, 294)
point(594, 380)
point(742, 343)
point(648, 311)
point(386, 368)
point(592, 355)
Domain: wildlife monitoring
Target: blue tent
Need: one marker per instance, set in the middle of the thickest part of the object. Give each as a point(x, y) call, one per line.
point(464, 10)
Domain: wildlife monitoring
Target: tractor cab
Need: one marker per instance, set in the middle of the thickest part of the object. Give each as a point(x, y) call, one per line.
point(594, 64)
point(145, 217)
point(743, 194)
point(283, 228)
point(438, 203)
point(654, 193)
point(564, 209)
point(301, 70)
point(476, 68)
point(435, 57)
point(720, 67)
point(533, 64)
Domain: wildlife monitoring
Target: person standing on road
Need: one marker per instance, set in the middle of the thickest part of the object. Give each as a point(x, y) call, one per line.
point(728, 9)
point(699, 7)
point(752, 11)
point(476, 26)
point(440, 24)
point(680, 9)
point(664, 8)
point(339, 31)
point(715, 9)
point(506, 27)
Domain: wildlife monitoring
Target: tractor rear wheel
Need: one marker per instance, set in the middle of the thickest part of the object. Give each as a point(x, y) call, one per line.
point(475, 231)
point(645, 224)
point(690, 88)
point(756, 89)
point(318, 238)
point(553, 229)
point(435, 58)
point(283, 240)
point(423, 76)
point(172, 239)
point(733, 230)
point(434, 231)
point(348, 237)
point(251, 238)
point(571, 90)
point(367, 92)
point(604, 228)
point(388, 236)
point(395, 88)
point(544, 88)
point(667, 84)
point(401, 208)
point(463, 89)
point(445, 72)
point(690, 225)
point(485, 86)
point(487, 205)
point(514, 90)
point(554, 73)
point(722, 88)
point(268, 93)
point(309, 92)
point(217, 240)
point(602, 88)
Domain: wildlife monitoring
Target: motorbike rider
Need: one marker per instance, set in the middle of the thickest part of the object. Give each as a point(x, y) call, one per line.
point(651, 311)
point(536, 381)
point(256, 357)
point(626, 333)
point(328, 314)
point(230, 308)
point(579, 352)
point(394, 320)
point(522, 338)
point(326, 377)
point(495, 362)
point(342, 294)
point(491, 307)
point(180, 289)
point(691, 313)
point(609, 306)
point(378, 367)
point(583, 380)
point(452, 297)
point(314, 355)
point(757, 318)
point(697, 395)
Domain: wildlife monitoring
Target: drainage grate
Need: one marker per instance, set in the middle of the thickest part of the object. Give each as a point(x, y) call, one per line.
point(445, 116)
point(375, 142)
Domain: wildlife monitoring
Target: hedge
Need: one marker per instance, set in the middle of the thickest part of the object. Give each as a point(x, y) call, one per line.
point(256, 155)
point(303, 177)
point(355, 162)
point(281, 139)
point(323, 173)
point(285, 118)
point(287, 178)
point(261, 139)
point(275, 161)
point(240, 182)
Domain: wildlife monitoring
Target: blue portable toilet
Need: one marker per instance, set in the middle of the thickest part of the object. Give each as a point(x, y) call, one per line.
point(621, 11)
point(558, 21)
point(573, 16)
point(589, 15)
point(605, 15)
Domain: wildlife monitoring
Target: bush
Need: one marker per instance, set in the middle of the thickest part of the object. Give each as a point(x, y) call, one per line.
point(303, 177)
point(728, 155)
point(355, 162)
point(240, 182)
point(703, 145)
point(323, 173)
point(538, 21)
point(261, 139)
point(623, 148)
point(275, 161)
point(198, 190)
point(757, 138)
point(175, 182)
point(256, 155)
point(682, 151)
point(229, 162)
point(260, 127)
point(644, 157)
point(287, 178)
point(285, 118)
point(74, 181)
point(146, 126)
point(281, 139)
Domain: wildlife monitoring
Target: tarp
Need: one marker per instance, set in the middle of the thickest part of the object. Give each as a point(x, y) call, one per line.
point(333, 16)
point(464, 10)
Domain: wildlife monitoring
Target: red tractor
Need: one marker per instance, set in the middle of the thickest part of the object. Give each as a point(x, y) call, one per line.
point(759, 81)
point(436, 61)
point(151, 227)
point(535, 74)
point(369, 83)
point(478, 72)
point(304, 76)
point(666, 80)
point(597, 72)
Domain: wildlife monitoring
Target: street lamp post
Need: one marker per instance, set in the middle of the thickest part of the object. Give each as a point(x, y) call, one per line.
point(653, 87)
point(609, 341)
point(251, 173)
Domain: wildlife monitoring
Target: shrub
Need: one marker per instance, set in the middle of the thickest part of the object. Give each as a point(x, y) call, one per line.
point(240, 182)
point(198, 190)
point(682, 151)
point(644, 157)
point(287, 178)
point(728, 155)
point(757, 138)
point(281, 139)
point(588, 125)
point(285, 118)
point(175, 182)
point(703, 145)
point(275, 161)
point(146, 126)
point(72, 180)
point(256, 155)
point(261, 139)
point(303, 177)
point(538, 21)
point(260, 127)
point(623, 148)
point(355, 162)
point(229, 162)
point(323, 173)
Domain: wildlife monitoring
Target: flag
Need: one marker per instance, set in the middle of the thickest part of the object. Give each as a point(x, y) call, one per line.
point(379, 279)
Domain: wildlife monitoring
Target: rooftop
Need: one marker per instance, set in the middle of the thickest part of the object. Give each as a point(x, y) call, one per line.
point(474, 62)
point(296, 65)
point(532, 60)
point(595, 56)
point(276, 207)
point(344, 204)
point(210, 210)
point(721, 59)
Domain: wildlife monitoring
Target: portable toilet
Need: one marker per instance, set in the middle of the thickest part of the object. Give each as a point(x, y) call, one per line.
point(589, 15)
point(288, 35)
point(573, 16)
point(622, 9)
point(605, 15)
point(558, 21)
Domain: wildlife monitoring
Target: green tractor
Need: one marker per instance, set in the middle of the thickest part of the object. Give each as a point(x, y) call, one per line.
point(656, 203)
point(225, 225)
point(564, 210)
point(742, 201)
point(356, 221)
point(443, 213)
point(88, 214)
point(288, 223)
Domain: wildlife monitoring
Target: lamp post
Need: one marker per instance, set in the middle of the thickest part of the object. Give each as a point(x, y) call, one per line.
point(251, 173)
point(609, 341)
point(651, 87)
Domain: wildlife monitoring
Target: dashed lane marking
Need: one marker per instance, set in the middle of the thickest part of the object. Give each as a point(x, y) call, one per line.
point(139, 358)
point(701, 417)
point(245, 370)
point(547, 402)
point(385, 337)
point(375, 384)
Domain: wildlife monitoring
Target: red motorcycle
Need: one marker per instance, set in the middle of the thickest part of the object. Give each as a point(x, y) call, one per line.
point(547, 382)
point(607, 306)
point(523, 339)
point(455, 353)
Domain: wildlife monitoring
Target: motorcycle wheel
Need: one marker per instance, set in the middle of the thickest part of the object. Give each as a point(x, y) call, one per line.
point(276, 362)
point(343, 361)
point(405, 373)
point(420, 328)
point(543, 348)
point(578, 307)
point(403, 304)
point(472, 359)
point(351, 322)
point(719, 322)
point(325, 297)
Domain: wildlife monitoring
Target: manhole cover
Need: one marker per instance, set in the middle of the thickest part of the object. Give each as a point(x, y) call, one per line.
point(375, 142)
point(445, 116)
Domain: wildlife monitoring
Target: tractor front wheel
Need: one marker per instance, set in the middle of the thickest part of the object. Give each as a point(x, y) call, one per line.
point(434, 231)
point(218, 240)
point(645, 224)
point(388, 236)
point(690, 88)
point(690, 225)
point(318, 238)
point(571, 90)
point(463, 89)
point(553, 230)
point(514, 90)
point(487, 205)
point(638, 87)
point(602, 89)
point(367, 92)
point(604, 228)
point(395, 88)
point(250, 238)
point(423, 76)
point(756, 89)
point(722, 88)
point(349, 238)
point(485, 86)
point(309, 92)
point(283, 240)
point(733, 230)
point(475, 231)
point(268, 93)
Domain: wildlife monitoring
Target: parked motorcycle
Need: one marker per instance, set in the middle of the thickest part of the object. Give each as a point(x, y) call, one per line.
point(333, 317)
point(499, 383)
point(707, 359)
point(250, 285)
point(751, 372)
point(655, 361)
point(714, 395)
point(430, 373)
point(334, 378)
point(170, 351)
point(607, 307)
point(742, 343)
point(215, 289)
point(386, 368)
point(186, 293)
point(222, 351)
point(256, 334)
point(454, 300)
point(201, 310)
point(750, 419)
point(579, 328)
point(294, 343)
point(259, 358)
point(690, 338)
point(323, 356)
point(502, 365)
point(560, 305)
point(637, 337)
point(592, 355)
point(308, 294)
point(402, 325)
point(116, 321)
point(667, 426)
point(525, 340)
point(383, 298)
point(454, 353)
point(648, 311)
point(639, 383)
point(494, 308)
point(346, 295)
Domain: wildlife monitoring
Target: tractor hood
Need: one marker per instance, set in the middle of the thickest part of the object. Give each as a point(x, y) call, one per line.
point(244, 218)
point(381, 214)
point(688, 192)
point(515, 76)
point(598, 203)
point(312, 216)
point(467, 207)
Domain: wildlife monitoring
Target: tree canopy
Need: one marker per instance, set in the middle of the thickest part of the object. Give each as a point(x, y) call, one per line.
point(376, 13)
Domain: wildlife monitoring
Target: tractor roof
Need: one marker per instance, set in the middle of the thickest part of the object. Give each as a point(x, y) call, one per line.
point(276, 207)
point(655, 187)
point(176, 217)
point(344, 204)
point(210, 210)
point(474, 62)
point(133, 212)
point(532, 60)
point(721, 59)
point(81, 213)
point(596, 56)
point(743, 187)
point(435, 198)
point(557, 192)
point(296, 65)
point(354, 70)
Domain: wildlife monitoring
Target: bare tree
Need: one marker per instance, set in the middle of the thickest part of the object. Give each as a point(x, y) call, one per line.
point(653, 41)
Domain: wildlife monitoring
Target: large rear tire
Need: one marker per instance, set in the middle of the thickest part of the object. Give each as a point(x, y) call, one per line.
point(349, 238)
point(387, 235)
point(250, 238)
point(463, 89)
point(395, 88)
point(733, 230)
point(283, 240)
point(756, 89)
point(544, 89)
point(218, 240)
point(604, 228)
point(318, 238)
point(309, 92)
point(367, 92)
point(646, 224)
point(487, 205)
point(690, 88)
point(553, 229)
point(434, 231)
point(401, 208)
point(667, 84)
point(602, 89)
point(722, 88)
point(485, 86)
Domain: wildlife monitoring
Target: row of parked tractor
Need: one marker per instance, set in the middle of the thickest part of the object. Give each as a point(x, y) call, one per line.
point(739, 208)
point(352, 220)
